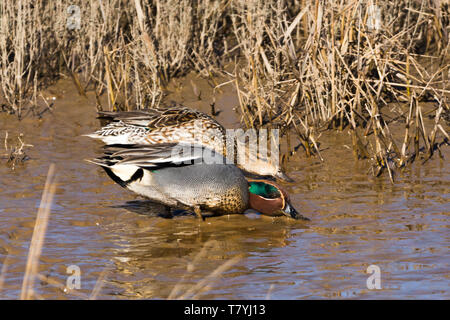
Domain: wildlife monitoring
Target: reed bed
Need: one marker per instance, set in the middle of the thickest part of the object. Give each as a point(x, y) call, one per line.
point(312, 66)
point(301, 66)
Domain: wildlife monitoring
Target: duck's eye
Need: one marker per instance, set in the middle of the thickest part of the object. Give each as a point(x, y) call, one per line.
point(264, 190)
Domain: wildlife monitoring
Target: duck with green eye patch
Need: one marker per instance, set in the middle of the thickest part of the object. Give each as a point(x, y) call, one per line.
point(192, 181)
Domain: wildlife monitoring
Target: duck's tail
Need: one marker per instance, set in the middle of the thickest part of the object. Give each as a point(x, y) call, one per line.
point(123, 175)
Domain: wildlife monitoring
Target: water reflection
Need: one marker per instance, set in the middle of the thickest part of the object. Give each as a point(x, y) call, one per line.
point(184, 250)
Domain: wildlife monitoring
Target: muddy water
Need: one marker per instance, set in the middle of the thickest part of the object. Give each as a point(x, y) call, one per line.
point(111, 234)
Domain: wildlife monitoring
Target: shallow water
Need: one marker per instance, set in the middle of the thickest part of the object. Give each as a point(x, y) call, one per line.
point(109, 233)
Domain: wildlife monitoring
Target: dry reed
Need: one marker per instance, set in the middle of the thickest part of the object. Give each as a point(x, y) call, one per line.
point(99, 284)
point(205, 284)
point(15, 155)
point(37, 240)
point(3, 271)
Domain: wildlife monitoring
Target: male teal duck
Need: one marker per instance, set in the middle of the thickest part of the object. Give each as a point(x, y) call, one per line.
point(177, 124)
point(192, 177)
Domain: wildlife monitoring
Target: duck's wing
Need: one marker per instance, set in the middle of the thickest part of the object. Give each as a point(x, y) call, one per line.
point(154, 119)
point(157, 156)
point(136, 118)
point(155, 125)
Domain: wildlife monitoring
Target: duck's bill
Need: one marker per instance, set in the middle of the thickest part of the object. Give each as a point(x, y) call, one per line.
point(290, 211)
point(282, 176)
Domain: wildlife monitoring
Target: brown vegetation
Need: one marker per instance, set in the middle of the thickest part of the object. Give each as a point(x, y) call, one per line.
point(15, 155)
point(299, 65)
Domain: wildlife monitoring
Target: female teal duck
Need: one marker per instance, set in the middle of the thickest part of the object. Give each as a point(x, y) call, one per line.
point(192, 177)
point(177, 124)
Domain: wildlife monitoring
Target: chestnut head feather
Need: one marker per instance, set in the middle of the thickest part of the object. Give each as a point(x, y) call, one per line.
point(270, 199)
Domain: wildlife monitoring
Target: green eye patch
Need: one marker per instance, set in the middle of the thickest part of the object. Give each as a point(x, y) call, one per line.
point(264, 190)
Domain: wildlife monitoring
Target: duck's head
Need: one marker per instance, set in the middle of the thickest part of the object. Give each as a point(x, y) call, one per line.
point(270, 199)
point(261, 167)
